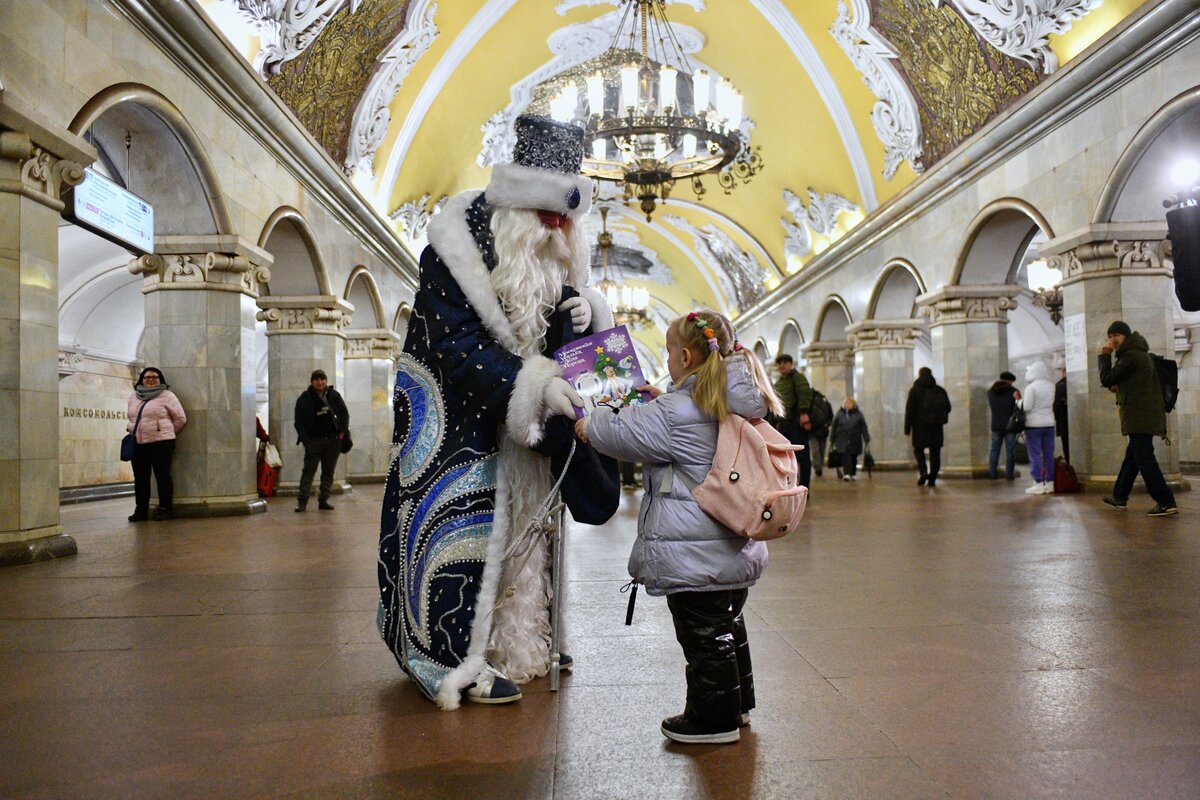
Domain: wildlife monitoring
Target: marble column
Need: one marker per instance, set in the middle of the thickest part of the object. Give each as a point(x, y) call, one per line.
point(830, 369)
point(883, 373)
point(36, 165)
point(1111, 272)
point(370, 365)
point(970, 347)
point(200, 293)
point(303, 334)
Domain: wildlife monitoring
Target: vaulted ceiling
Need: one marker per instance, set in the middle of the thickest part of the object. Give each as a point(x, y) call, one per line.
point(850, 100)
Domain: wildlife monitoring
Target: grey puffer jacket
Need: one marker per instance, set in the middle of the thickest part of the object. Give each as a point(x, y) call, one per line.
point(679, 547)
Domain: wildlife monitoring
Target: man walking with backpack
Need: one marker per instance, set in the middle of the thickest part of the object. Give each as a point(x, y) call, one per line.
point(795, 423)
point(1134, 379)
point(822, 417)
point(925, 415)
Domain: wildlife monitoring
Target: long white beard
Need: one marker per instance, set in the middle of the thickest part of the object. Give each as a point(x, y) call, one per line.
point(533, 262)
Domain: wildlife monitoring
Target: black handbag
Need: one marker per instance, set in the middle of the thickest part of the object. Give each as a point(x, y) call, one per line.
point(1016, 423)
point(347, 443)
point(129, 443)
point(835, 458)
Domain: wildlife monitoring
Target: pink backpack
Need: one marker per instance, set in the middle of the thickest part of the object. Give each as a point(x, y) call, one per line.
point(751, 488)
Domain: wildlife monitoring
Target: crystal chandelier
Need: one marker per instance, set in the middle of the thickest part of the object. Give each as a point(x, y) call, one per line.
point(629, 305)
point(651, 119)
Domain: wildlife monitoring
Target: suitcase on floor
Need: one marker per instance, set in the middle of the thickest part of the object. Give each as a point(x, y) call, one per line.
point(1065, 481)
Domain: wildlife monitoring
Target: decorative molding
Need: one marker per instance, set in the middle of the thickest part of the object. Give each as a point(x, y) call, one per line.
point(415, 216)
point(69, 361)
point(566, 5)
point(828, 354)
point(320, 314)
point(1111, 257)
point(379, 343)
point(895, 117)
point(34, 172)
point(372, 115)
point(624, 234)
point(210, 271)
point(1021, 29)
point(885, 334)
point(820, 215)
point(962, 304)
point(286, 27)
point(738, 272)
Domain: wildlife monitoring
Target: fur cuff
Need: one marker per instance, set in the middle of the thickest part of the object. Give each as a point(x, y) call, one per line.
point(516, 186)
point(526, 416)
point(449, 695)
point(602, 318)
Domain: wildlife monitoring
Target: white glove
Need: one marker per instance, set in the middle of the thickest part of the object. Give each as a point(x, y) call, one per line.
point(559, 398)
point(581, 314)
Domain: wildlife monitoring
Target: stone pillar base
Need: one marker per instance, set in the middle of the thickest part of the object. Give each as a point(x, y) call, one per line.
point(292, 488)
point(42, 548)
point(370, 477)
point(1103, 484)
point(963, 472)
point(220, 507)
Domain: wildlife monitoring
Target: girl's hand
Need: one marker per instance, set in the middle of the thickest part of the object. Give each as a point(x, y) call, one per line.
point(581, 429)
point(650, 389)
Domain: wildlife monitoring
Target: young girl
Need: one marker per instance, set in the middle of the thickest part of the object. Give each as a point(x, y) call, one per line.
point(702, 567)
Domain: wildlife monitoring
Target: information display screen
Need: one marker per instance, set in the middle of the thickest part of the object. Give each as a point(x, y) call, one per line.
point(108, 210)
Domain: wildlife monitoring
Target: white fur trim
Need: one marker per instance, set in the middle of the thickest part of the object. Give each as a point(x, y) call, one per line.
point(451, 239)
point(526, 416)
point(517, 186)
point(602, 318)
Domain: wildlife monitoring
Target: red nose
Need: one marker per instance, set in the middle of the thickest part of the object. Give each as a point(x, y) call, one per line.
point(551, 219)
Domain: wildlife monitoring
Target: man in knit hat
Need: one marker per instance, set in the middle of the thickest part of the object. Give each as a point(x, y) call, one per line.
point(483, 422)
point(1134, 380)
point(322, 422)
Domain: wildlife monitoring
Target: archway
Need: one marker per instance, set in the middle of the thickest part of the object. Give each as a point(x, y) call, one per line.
point(371, 348)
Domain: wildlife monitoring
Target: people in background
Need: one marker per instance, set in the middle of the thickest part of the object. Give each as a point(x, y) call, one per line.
point(925, 415)
point(155, 418)
point(1037, 401)
point(1134, 380)
point(1002, 400)
point(796, 396)
point(1060, 414)
point(822, 419)
point(322, 421)
point(849, 433)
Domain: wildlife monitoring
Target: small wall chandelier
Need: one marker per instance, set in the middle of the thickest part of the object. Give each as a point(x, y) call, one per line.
point(629, 305)
point(650, 118)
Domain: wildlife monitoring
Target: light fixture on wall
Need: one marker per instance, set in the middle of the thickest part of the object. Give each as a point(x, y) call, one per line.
point(1044, 283)
point(629, 305)
point(651, 119)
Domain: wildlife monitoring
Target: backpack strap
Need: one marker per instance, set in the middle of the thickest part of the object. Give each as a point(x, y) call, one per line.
point(665, 485)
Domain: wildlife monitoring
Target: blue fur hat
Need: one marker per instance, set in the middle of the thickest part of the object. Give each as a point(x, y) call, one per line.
point(545, 170)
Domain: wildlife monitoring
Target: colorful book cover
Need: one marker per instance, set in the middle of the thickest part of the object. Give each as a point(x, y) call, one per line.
point(604, 370)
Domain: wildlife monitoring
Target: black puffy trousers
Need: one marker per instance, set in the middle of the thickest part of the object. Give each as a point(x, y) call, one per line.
point(712, 633)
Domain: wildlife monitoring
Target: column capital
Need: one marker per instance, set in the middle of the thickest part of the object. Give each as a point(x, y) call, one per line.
point(220, 263)
point(38, 160)
point(833, 353)
point(961, 304)
point(879, 334)
point(1102, 250)
point(379, 343)
point(321, 314)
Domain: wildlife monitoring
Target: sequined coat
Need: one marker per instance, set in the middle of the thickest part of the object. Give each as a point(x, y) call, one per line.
point(460, 387)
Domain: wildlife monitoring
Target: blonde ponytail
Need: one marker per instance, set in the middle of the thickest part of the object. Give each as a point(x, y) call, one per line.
point(691, 332)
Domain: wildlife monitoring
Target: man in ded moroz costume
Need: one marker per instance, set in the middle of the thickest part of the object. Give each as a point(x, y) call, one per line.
point(484, 423)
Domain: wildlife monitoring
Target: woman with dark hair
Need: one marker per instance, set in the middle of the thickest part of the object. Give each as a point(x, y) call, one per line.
point(155, 417)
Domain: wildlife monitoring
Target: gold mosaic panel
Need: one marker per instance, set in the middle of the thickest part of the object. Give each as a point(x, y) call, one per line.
point(959, 81)
point(323, 85)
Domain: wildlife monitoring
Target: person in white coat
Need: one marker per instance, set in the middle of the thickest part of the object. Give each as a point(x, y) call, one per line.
point(1037, 401)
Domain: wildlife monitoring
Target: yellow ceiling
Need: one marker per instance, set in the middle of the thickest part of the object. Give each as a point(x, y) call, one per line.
point(452, 91)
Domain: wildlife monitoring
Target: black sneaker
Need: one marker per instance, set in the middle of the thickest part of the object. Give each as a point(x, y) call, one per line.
point(301, 505)
point(685, 731)
point(139, 516)
point(324, 506)
point(1160, 510)
point(565, 662)
point(162, 514)
point(921, 480)
point(1115, 502)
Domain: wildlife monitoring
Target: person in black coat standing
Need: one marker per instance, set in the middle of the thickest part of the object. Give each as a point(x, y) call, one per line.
point(322, 422)
point(925, 415)
point(848, 434)
point(1060, 415)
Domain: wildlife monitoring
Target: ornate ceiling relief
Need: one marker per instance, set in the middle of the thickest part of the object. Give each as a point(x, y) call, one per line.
point(566, 5)
point(895, 117)
point(959, 81)
point(324, 84)
point(372, 116)
point(629, 259)
point(1020, 29)
point(739, 274)
point(415, 216)
point(821, 216)
point(286, 27)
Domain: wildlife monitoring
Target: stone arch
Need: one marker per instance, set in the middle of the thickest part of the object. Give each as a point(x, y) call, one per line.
point(833, 320)
point(362, 292)
point(181, 206)
point(790, 339)
point(401, 318)
point(895, 293)
point(996, 242)
point(761, 351)
point(289, 238)
point(1139, 181)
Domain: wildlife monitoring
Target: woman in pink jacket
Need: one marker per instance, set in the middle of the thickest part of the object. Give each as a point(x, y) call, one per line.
point(155, 412)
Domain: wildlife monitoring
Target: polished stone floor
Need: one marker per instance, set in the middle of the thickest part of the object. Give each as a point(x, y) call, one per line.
point(965, 642)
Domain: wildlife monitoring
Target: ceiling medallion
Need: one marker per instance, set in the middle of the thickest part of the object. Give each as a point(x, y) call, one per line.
point(650, 118)
point(628, 305)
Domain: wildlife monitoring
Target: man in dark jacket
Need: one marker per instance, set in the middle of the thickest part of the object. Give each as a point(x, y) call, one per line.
point(322, 422)
point(1002, 399)
point(796, 395)
point(1060, 415)
point(925, 414)
point(1134, 380)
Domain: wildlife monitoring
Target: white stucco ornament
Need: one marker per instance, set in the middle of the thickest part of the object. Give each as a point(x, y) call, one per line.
point(287, 27)
point(1021, 28)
